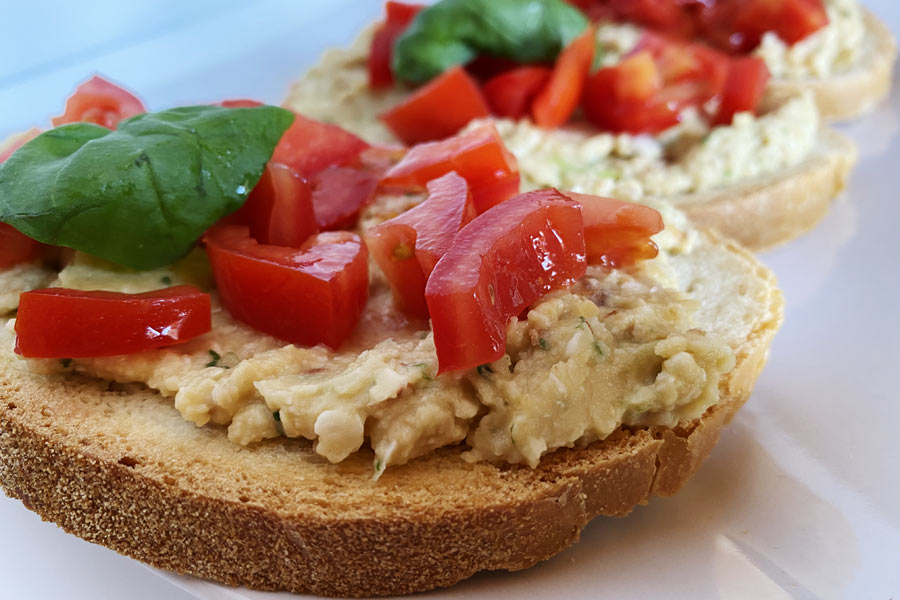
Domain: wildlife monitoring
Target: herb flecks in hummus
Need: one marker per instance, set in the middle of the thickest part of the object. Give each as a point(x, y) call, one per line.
point(618, 348)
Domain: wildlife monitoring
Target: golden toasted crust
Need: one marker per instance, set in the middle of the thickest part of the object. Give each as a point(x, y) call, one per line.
point(118, 466)
point(771, 210)
point(857, 90)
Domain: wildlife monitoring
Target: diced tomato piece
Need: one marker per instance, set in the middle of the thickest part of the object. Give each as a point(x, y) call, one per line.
point(648, 90)
point(559, 99)
point(307, 296)
point(637, 78)
point(791, 20)
point(101, 102)
point(744, 89)
point(510, 94)
point(309, 146)
point(617, 234)
point(65, 323)
point(407, 247)
point(478, 156)
point(485, 66)
point(398, 17)
point(438, 109)
point(497, 266)
point(340, 193)
point(16, 247)
point(603, 108)
point(17, 142)
point(240, 103)
point(280, 210)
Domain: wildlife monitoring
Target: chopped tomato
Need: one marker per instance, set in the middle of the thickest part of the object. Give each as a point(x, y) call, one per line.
point(744, 88)
point(307, 296)
point(16, 247)
point(648, 90)
point(398, 17)
point(559, 99)
point(731, 25)
point(340, 193)
point(605, 108)
point(497, 266)
point(65, 323)
point(407, 247)
point(240, 103)
point(791, 20)
point(511, 93)
point(17, 142)
point(279, 210)
point(309, 146)
point(617, 234)
point(438, 109)
point(478, 156)
point(101, 102)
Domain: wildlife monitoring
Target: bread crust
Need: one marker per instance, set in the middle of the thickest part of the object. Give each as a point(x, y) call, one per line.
point(116, 465)
point(855, 91)
point(775, 209)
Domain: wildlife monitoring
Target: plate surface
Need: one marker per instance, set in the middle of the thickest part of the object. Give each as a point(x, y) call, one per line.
point(800, 499)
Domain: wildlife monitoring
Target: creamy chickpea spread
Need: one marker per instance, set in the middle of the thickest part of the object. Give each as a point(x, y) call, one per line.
point(619, 347)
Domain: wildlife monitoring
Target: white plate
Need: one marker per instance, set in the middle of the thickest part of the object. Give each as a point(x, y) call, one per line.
point(800, 499)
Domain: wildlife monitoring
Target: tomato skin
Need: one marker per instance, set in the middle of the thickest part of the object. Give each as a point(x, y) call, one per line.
point(101, 102)
point(340, 193)
point(66, 323)
point(438, 109)
point(744, 88)
point(407, 247)
point(617, 234)
point(478, 156)
point(558, 100)
point(497, 266)
point(648, 90)
point(309, 146)
point(280, 210)
point(240, 103)
point(306, 296)
point(16, 247)
point(511, 93)
point(17, 142)
point(398, 17)
point(791, 20)
point(604, 108)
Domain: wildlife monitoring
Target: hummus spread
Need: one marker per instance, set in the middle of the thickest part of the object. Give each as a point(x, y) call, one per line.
point(689, 158)
point(619, 347)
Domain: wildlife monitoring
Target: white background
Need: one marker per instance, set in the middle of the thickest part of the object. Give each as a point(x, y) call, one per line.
point(800, 499)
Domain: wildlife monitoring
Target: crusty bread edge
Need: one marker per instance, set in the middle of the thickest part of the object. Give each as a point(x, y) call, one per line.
point(777, 208)
point(112, 504)
point(858, 90)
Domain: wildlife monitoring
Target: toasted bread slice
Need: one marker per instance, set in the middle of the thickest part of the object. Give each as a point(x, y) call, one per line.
point(771, 210)
point(117, 465)
point(760, 212)
point(854, 91)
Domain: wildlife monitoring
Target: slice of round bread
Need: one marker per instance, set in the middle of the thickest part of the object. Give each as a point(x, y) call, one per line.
point(854, 91)
point(774, 209)
point(117, 465)
point(760, 211)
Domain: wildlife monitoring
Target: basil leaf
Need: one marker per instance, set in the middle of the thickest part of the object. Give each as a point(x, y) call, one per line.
point(141, 195)
point(453, 32)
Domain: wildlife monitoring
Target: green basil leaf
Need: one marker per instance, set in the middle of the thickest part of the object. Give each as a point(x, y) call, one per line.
point(141, 195)
point(453, 32)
